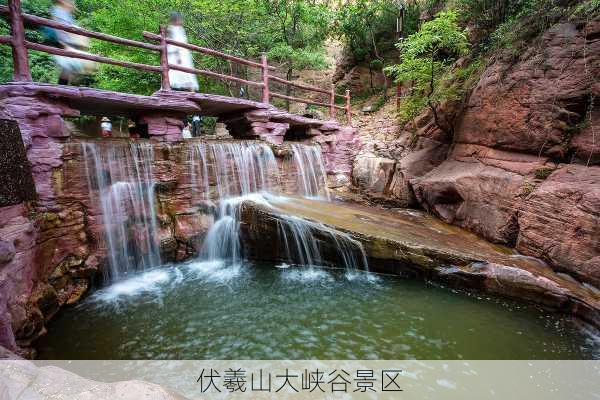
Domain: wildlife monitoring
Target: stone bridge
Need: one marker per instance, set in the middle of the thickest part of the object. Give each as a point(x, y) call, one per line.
point(41, 109)
point(49, 247)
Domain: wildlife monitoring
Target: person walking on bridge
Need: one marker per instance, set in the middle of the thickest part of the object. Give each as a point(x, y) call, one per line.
point(70, 67)
point(180, 56)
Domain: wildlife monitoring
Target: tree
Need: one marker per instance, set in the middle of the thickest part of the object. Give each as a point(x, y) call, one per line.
point(426, 56)
point(41, 64)
point(296, 31)
point(292, 32)
point(368, 28)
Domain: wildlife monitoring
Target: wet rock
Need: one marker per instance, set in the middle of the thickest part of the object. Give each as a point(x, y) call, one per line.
point(411, 243)
point(560, 222)
point(76, 292)
point(46, 300)
point(32, 328)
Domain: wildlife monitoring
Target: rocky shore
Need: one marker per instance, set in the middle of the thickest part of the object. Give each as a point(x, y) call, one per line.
point(414, 244)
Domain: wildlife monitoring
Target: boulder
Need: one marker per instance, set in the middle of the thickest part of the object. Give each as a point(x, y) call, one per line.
point(560, 222)
point(481, 198)
point(373, 174)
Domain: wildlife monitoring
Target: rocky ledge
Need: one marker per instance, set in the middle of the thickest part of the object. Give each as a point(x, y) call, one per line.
point(21, 379)
point(412, 243)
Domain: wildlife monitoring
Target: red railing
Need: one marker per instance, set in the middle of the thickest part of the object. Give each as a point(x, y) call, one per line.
point(21, 73)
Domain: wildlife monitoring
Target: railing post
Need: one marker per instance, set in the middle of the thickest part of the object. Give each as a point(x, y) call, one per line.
point(332, 112)
point(265, 76)
point(164, 60)
point(348, 108)
point(19, 50)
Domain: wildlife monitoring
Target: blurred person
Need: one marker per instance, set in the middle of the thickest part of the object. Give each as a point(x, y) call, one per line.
point(186, 133)
point(133, 130)
point(180, 56)
point(70, 67)
point(196, 125)
point(106, 127)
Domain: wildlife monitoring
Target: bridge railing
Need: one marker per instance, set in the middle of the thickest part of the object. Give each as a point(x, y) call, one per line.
point(21, 72)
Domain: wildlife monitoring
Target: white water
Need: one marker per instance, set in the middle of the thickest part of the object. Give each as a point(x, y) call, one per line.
point(300, 238)
point(121, 182)
point(121, 178)
point(312, 178)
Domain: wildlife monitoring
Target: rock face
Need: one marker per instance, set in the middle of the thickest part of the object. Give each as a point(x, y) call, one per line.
point(560, 222)
point(522, 166)
point(538, 104)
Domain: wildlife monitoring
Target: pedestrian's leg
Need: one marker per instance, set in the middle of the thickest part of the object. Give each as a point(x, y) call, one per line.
point(63, 79)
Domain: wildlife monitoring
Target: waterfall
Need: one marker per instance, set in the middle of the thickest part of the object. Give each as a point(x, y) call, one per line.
point(247, 171)
point(239, 170)
point(300, 239)
point(312, 178)
point(121, 182)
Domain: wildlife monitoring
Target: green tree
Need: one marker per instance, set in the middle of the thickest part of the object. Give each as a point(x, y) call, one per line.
point(427, 56)
point(369, 28)
point(296, 32)
point(41, 64)
point(291, 32)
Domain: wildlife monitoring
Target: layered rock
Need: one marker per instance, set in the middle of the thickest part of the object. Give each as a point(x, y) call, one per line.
point(528, 116)
point(538, 103)
point(560, 222)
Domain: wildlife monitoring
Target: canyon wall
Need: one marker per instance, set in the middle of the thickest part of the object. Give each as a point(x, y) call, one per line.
point(523, 167)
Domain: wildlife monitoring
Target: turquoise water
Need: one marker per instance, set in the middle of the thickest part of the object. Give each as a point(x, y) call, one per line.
point(213, 311)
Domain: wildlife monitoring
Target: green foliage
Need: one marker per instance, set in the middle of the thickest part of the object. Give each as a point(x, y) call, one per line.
point(587, 9)
point(488, 14)
point(426, 60)
point(379, 103)
point(42, 65)
point(368, 27)
point(543, 173)
point(295, 32)
point(291, 32)
point(525, 20)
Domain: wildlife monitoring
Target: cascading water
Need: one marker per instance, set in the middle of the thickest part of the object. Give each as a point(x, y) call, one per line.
point(239, 170)
point(247, 171)
point(302, 245)
point(121, 181)
point(312, 178)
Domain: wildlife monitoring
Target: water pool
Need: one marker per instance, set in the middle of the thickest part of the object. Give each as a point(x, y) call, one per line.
point(209, 310)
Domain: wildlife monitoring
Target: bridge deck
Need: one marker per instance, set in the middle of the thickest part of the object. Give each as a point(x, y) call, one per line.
point(103, 102)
